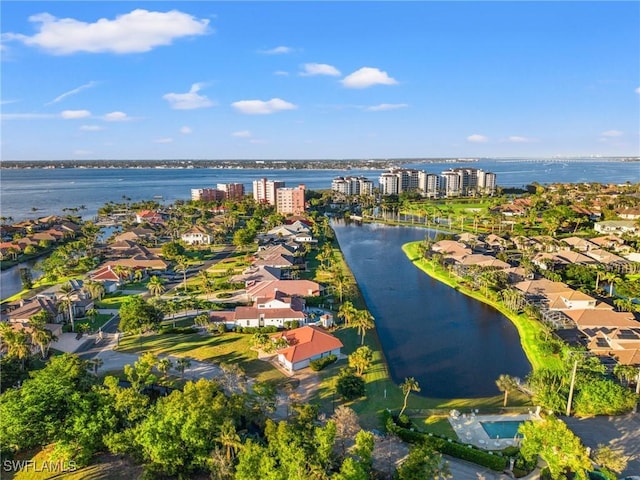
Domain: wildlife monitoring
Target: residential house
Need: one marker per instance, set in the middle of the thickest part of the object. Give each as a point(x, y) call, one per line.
point(616, 227)
point(579, 244)
point(149, 216)
point(23, 310)
point(197, 235)
point(301, 288)
point(255, 274)
point(276, 310)
point(306, 344)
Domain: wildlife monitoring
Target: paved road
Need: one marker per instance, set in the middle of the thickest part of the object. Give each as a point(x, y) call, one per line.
point(622, 432)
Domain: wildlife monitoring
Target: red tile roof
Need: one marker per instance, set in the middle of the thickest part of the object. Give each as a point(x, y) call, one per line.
point(307, 342)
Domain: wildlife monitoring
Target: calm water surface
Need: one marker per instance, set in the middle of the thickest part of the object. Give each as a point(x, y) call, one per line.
point(456, 347)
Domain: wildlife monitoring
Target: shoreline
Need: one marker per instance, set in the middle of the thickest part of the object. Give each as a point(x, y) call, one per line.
point(527, 329)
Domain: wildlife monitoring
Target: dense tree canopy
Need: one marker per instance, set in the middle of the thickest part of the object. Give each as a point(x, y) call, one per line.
point(137, 315)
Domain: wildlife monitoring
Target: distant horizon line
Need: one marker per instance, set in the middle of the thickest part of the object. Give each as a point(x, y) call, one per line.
point(362, 159)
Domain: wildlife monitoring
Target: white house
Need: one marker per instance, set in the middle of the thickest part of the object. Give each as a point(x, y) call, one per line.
point(197, 235)
point(306, 344)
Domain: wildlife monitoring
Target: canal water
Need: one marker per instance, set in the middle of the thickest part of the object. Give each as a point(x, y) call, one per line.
point(454, 346)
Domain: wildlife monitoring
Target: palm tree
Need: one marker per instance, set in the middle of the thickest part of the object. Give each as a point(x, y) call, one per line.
point(17, 342)
point(625, 373)
point(67, 303)
point(363, 321)
point(347, 312)
point(612, 278)
point(138, 275)
point(182, 364)
point(409, 385)
point(164, 365)
point(94, 289)
point(182, 265)
point(361, 359)
point(229, 438)
point(155, 285)
point(39, 334)
point(506, 383)
point(205, 282)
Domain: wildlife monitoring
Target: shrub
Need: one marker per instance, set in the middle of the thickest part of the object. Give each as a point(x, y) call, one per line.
point(320, 363)
point(349, 385)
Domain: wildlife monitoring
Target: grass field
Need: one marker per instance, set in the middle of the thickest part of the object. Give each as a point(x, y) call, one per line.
point(228, 348)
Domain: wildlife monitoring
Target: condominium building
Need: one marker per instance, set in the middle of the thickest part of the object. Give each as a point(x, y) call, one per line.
point(429, 184)
point(207, 195)
point(264, 191)
point(450, 184)
point(233, 191)
point(486, 182)
point(389, 184)
point(352, 185)
point(290, 201)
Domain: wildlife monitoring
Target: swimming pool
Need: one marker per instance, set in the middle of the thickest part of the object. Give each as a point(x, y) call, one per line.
point(507, 429)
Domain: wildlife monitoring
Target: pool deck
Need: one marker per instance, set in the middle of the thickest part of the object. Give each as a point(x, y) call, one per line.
point(469, 429)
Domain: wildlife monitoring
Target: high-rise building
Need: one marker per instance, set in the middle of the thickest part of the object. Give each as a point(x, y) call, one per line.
point(486, 182)
point(450, 184)
point(290, 201)
point(207, 194)
point(389, 184)
point(428, 184)
point(352, 185)
point(264, 191)
point(233, 191)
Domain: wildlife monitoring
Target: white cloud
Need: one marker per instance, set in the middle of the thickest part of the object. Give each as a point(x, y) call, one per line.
point(519, 139)
point(163, 140)
point(186, 130)
point(72, 92)
point(7, 102)
point(242, 134)
point(281, 73)
point(28, 116)
point(386, 106)
point(638, 90)
point(313, 69)
point(367, 77)
point(190, 100)
point(134, 32)
point(74, 114)
point(281, 50)
point(476, 138)
point(612, 133)
point(260, 107)
point(116, 117)
point(91, 128)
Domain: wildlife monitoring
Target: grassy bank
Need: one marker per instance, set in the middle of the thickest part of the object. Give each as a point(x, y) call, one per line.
point(529, 330)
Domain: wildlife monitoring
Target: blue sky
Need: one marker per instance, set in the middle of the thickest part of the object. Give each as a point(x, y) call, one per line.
point(308, 80)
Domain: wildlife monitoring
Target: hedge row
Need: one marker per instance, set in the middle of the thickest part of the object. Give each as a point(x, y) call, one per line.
point(320, 363)
point(448, 447)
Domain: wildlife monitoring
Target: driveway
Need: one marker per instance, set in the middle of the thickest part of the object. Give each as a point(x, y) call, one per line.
point(622, 432)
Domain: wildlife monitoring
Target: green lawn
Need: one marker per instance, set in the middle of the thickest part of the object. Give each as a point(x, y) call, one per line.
point(228, 348)
point(94, 323)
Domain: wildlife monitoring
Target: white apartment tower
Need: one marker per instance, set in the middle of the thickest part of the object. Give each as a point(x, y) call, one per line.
point(264, 191)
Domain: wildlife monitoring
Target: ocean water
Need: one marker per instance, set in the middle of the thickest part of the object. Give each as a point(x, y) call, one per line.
point(27, 193)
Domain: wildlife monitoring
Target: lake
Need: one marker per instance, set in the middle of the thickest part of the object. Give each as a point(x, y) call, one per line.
point(455, 346)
